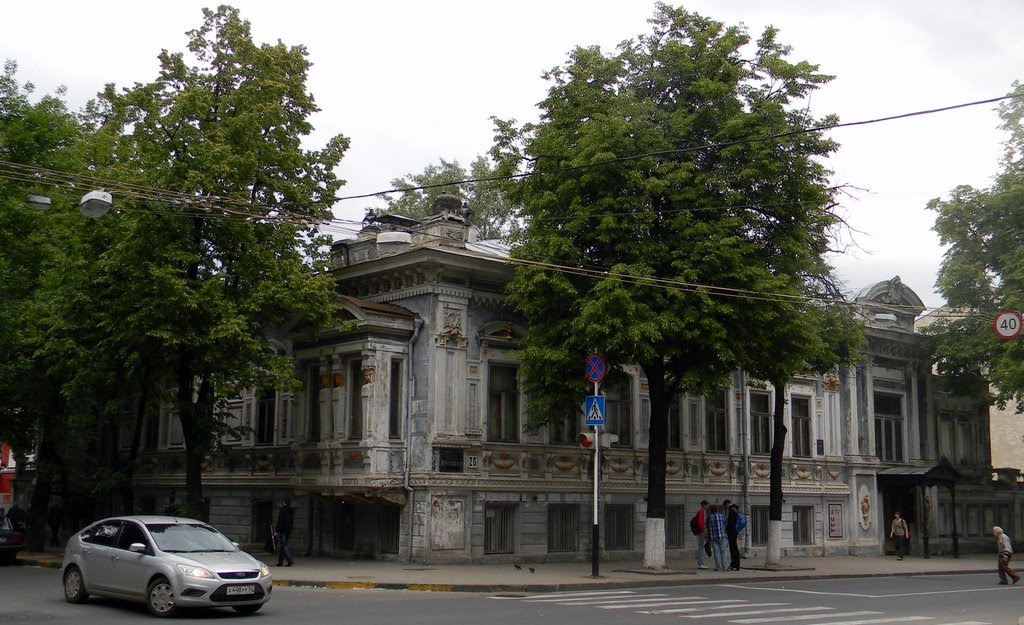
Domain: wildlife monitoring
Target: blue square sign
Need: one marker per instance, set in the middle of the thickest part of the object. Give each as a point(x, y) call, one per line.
point(593, 410)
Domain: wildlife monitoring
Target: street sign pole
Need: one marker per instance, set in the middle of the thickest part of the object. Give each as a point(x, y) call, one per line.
point(595, 541)
point(594, 371)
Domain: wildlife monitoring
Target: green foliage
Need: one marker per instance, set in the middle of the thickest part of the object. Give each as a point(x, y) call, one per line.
point(195, 287)
point(492, 212)
point(674, 220)
point(708, 251)
point(983, 273)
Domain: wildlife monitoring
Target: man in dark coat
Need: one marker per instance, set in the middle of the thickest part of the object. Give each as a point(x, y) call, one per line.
point(285, 522)
point(730, 530)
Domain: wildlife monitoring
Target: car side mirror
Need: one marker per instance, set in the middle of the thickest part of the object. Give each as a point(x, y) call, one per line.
point(138, 548)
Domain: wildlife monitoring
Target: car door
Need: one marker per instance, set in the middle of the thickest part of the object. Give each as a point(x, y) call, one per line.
point(130, 570)
point(97, 544)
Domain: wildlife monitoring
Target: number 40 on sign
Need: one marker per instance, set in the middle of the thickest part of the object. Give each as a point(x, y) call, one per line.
point(1007, 324)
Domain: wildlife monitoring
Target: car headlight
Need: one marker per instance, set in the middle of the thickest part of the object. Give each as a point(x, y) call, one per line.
point(195, 571)
point(264, 570)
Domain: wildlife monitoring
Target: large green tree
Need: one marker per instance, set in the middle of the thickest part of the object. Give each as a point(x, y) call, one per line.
point(37, 135)
point(216, 241)
point(982, 273)
point(675, 217)
point(491, 210)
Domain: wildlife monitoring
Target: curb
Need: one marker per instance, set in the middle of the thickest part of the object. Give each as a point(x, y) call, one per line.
point(677, 579)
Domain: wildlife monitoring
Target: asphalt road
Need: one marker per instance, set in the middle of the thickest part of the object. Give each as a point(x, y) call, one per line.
point(33, 595)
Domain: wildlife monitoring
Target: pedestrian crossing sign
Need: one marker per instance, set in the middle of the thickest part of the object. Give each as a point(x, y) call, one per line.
point(593, 410)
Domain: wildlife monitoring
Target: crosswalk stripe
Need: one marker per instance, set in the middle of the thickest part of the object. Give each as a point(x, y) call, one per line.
point(734, 602)
point(744, 604)
point(580, 593)
point(802, 617)
point(727, 614)
point(575, 600)
point(894, 619)
point(650, 604)
point(969, 623)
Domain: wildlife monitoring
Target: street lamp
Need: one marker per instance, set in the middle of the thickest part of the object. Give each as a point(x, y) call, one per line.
point(93, 204)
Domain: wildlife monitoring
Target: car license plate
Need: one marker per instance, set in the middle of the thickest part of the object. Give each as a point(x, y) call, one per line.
point(241, 590)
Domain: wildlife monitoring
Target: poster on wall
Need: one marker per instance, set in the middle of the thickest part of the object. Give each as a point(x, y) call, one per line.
point(835, 520)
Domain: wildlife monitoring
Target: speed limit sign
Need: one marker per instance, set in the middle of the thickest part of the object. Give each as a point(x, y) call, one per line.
point(1007, 324)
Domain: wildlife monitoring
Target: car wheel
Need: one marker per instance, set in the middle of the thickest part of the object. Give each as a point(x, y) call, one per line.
point(248, 609)
point(160, 598)
point(74, 586)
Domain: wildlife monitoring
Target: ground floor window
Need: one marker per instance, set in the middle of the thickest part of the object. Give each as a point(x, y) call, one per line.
point(674, 527)
point(803, 525)
point(499, 528)
point(563, 527)
point(618, 524)
point(758, 525)
point(262, 520)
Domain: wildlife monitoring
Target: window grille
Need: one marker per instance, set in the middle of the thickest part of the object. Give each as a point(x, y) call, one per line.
point(618, 523)
point(499, 529)
point(563, 527)
point(758, 525)
point(674, 527)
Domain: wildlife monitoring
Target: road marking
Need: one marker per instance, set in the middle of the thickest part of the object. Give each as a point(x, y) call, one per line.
point(777, 610)
point(895, 619)
point(865, 596)
point(654, 604)
point(803, 617)
point(737, 604)
point(596, 601)
point(571, 599)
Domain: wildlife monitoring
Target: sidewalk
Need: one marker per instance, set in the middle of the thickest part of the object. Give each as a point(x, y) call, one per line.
point(541, 577)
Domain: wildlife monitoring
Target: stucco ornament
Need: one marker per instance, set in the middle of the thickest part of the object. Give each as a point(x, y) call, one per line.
point(865, 507)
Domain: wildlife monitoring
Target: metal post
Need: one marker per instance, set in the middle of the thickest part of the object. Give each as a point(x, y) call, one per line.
point(595, 543)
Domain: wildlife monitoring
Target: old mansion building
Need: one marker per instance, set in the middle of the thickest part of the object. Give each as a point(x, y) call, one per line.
point(407, 440)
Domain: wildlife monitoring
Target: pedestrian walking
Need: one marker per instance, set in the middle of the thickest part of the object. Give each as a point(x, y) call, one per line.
point(698, 525)
point(55, 519)
point(1005, 551)
point(900, 534)
point(285, 522)
point(732, 533)
point(716, 534)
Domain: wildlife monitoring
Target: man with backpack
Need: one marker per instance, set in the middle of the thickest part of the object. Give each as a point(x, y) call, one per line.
point(732, 530)
point(698, 525)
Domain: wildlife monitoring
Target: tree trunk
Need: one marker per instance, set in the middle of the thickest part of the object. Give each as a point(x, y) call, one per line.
point(654, 545)
point(773, 551)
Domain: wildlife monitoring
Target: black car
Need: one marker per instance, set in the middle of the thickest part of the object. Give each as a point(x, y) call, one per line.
point(11, 541)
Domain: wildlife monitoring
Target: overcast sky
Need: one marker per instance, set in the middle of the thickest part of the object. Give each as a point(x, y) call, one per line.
point(411, 82)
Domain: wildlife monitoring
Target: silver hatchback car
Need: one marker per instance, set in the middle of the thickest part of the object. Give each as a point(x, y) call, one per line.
point(166, 562)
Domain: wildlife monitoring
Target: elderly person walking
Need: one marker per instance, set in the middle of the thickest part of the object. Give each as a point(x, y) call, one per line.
point(1005, 550)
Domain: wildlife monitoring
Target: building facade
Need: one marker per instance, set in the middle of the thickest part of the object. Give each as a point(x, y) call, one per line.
point(407, 438)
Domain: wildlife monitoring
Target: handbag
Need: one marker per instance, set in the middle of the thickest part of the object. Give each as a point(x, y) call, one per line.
point(707, 547)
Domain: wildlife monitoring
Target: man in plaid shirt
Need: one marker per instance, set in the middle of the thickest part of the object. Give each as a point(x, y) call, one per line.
point(715, 528)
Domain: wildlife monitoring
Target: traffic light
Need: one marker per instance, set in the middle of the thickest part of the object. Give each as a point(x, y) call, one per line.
point(607, 440)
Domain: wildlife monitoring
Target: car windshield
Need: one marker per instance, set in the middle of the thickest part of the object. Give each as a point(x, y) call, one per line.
point(188, 538)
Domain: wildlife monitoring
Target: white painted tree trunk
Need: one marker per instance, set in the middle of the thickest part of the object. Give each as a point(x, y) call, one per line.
point(773, 552)
point(654, 544)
